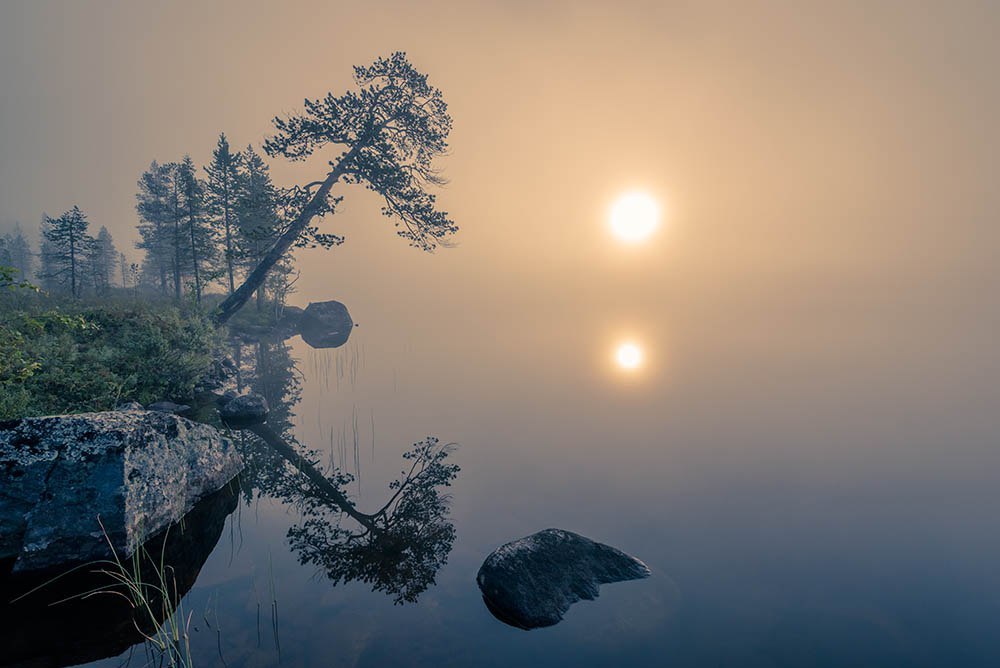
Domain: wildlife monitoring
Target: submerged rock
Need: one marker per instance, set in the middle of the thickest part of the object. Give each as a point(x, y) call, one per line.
point(244, 411)
point(325, 324)
point(71, 485)
point(532, 581)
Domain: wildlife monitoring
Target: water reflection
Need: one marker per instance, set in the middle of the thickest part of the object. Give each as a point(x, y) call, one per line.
point(91, 612)
point(398, 548)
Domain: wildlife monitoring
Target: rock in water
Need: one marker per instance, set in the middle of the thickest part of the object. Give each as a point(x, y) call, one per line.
point(532, 581)
point(138, 471)
point(244, 411)
point(325, 324)
point(97, 627)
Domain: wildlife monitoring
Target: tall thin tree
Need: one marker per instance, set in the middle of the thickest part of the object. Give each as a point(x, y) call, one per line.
point(153, 204)
point(222, 176)
point(201, 248)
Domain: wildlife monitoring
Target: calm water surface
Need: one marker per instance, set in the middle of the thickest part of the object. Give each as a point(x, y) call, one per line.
point(803, 496)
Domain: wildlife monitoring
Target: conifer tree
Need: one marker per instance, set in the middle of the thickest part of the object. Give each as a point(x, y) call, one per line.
point(65, 250)
point(221, 193)
point(388, 132)
point(257, 208)
point(153, 204)
point(5, 256)
point(200, 242)
point(102, 258)
point(21, 257)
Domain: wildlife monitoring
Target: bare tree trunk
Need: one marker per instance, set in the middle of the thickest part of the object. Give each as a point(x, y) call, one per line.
point(235, 301)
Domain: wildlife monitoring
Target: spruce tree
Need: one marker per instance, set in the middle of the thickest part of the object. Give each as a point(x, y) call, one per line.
point(221, 192)
point(257, 209)
point(153, 204)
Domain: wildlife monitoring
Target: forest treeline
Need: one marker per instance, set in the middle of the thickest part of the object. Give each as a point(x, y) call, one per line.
point(199, 229)
point(225, 229)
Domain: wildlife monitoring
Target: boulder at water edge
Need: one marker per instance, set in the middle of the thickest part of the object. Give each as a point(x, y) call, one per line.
point(73, 486)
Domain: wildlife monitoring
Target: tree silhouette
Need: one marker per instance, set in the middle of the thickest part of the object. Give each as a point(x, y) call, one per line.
point(391, 129)
point(399, 548)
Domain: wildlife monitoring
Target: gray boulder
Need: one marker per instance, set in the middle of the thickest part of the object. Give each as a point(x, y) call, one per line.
point(325, 324)
point(71, 484)
point(244, 411)
point(532, 581)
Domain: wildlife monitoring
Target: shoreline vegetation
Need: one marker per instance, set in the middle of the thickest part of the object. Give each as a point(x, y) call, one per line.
point(90, 331)
point(64, 357)
point(88, 344)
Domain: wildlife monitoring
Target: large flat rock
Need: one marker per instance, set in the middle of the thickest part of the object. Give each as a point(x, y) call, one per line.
point(531, 582)
point(74, 486)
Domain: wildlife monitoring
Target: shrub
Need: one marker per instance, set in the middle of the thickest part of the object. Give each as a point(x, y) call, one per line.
point(75, 358)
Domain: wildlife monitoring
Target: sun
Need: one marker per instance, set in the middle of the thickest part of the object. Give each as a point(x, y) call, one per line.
point(634, 217)
point(629, 356)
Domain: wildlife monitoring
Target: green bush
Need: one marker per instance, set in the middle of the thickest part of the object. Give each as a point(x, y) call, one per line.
point(76, 358)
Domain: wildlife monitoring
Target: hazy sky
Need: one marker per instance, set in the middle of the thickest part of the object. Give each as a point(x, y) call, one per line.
point(819, 309)
point(834, 161)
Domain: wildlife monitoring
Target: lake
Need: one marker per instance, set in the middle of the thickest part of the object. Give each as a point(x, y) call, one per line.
point(800, 500)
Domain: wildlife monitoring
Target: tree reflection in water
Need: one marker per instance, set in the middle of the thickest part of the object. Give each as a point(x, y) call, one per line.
point(399, 548)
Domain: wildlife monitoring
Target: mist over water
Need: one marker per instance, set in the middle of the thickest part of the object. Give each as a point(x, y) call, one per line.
point(805, 452)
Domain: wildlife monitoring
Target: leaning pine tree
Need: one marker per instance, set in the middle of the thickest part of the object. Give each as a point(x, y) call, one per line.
point(390, 130)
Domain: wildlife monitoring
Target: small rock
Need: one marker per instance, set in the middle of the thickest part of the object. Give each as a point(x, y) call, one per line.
point(130, 406)
point(244, 411)
point(532, 581)
point(168, 407)
point(325, 324)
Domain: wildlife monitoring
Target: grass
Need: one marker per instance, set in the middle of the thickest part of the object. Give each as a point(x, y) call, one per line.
point(149, 587)
point(159, 602)
point(60, 357)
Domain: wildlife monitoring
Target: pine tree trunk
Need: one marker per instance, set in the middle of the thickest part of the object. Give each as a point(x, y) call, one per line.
point(72, 264)
point(229, 242)
point(177, 259)
point(235, 301)
point(194, 260)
